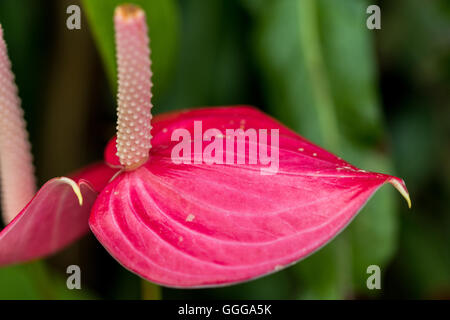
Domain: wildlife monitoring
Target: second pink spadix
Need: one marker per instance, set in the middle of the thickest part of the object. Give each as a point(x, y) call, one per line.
point(43, 222)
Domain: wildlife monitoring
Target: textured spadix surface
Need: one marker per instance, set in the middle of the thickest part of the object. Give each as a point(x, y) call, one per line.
point(133, 61)
point(194, 225)
point(56, 216)
point(17, 172)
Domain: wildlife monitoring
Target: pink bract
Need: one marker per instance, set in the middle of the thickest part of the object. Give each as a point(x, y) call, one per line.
point(56, 216)
point(188, 225)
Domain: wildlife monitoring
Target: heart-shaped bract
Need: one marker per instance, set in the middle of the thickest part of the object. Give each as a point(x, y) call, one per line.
point(197, 225)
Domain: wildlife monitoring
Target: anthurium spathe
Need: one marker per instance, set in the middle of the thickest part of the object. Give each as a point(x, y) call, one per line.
point(211, 196)
point(39, 223)
point(207, 215)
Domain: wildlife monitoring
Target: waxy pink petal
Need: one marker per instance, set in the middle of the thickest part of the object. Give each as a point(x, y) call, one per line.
point(56, 216)
point(197, 225)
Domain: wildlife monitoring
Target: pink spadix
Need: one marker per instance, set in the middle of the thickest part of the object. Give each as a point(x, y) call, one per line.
point(16, 167)
point(133, 112)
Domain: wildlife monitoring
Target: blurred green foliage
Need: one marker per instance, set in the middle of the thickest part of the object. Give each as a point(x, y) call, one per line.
point(162, 21)
point(377, 98)
point(415, 68)
point(36, 281)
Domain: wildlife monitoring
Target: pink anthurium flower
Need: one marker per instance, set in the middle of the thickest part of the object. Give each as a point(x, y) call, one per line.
point(186, 211)
point(217, 195)
point(39, 223)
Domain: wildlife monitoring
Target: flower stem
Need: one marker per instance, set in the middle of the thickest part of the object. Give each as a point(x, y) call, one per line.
point(316, 68)
point(327, 118)
point(150, 291)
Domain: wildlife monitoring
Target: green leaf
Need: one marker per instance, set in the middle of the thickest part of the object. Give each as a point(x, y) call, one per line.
point(321, 275)
point(349, 56)
point(162, 19)
point(290, 59)
point(17, 283)
point(34, 280)
point(213, 66)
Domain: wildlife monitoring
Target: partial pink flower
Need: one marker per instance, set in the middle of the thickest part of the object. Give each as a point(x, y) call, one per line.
point(38, 224)
point(55, 217)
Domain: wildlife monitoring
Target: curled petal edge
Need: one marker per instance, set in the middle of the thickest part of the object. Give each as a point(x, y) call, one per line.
point(55, 217)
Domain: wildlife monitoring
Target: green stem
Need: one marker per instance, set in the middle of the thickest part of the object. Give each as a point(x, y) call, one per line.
point(326, 111)
point(150, 291)
point(310, 41)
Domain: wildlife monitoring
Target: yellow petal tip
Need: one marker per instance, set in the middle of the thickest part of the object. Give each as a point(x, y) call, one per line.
point(401, 187)
point(75, 188)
